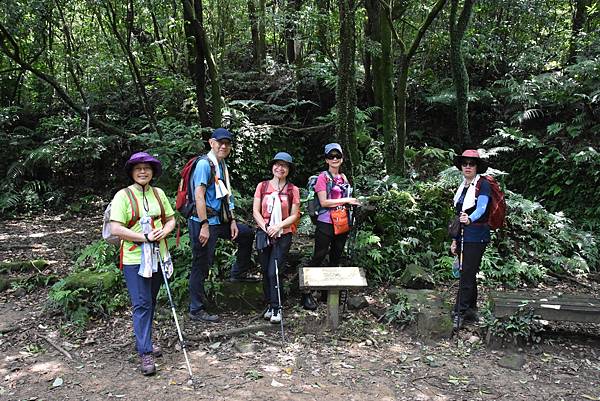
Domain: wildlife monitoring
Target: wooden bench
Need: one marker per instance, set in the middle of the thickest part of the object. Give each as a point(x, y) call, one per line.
point(559, 307)
point(333, 280)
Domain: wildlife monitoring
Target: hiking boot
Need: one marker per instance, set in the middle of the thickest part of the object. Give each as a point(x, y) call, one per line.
point(156, 350)
point(147, 364)
point(308, 302)
point(204, 316)
point(268, 313)
point(457, 321)
point(471, 316)
point(276, 316)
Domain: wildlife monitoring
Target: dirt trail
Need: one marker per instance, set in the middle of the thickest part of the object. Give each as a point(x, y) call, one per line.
point(363, 361)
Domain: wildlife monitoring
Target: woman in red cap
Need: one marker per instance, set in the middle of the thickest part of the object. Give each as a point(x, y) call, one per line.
point(471, 204)
point(142, 217)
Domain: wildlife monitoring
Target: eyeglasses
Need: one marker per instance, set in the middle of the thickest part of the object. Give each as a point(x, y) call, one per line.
point(332, 157)
point(469, 164)
point(224, 142)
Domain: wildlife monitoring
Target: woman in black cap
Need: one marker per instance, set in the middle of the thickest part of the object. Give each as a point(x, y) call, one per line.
point(471, 204)
point(276, 209)
point(142, 217)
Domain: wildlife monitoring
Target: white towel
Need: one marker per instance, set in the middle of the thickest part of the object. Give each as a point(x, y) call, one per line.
point(222, 187)
point(274, 205)
point(149, 262)
point(469, 200)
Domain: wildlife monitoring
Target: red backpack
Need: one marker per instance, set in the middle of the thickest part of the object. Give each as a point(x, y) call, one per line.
point(185, 202)
point(497, 207)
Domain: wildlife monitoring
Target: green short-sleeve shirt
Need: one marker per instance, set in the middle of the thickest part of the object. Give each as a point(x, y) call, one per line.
point(122, 212)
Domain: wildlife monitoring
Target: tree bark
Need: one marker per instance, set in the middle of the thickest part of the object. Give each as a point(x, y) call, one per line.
point(405, 57)
point(215, 84)
point(579, 20)
point(386, 87)
point(460, 75)
point(192, 14)
point(253, 18)
point(262, 37)
point(346, 83)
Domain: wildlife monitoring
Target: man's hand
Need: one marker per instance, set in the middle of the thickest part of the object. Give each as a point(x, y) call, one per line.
point(464, 218)
point(204, 234)
point(234, 230)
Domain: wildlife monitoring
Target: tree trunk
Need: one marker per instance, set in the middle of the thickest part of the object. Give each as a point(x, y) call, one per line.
point(192, 14)
point(579, 20)
point(385, 85)
point(346, 83)
point(322, 28)
point(460, 75)
point(405, 58)
point(262, 41)
point(215, 84)
point(252, 17)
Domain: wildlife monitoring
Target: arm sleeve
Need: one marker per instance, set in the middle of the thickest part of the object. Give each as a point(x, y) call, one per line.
point(296, 193)
point(483, 200)
point(321, 184)
point(201, 173)
point(118, 208)
point(166, 204)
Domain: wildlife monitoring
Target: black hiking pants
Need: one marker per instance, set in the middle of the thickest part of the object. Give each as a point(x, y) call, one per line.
point(326, 242)
point(466, 299)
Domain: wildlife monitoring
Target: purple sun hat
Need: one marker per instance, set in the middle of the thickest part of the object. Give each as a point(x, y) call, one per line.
point(143, 157)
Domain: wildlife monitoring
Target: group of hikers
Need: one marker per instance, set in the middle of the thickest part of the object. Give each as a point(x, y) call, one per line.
point(142, 217)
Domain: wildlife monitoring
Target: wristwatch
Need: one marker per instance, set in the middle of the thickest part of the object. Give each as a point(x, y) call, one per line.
point(147, 239)
point(203, 222)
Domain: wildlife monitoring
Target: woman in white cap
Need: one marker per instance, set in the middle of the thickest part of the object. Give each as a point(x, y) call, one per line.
point(276, 210)
point(142, 217)
point(334, 193)
point(471, 203)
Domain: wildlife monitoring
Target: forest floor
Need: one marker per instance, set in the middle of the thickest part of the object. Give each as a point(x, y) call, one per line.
point(364, 360)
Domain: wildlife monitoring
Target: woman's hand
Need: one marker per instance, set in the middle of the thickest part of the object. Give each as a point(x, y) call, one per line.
point(273, 230)
point(157, 234)
point(464, 218)
point(453, 247)
point(353, 201)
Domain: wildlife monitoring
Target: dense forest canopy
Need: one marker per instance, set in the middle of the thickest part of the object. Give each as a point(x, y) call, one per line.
point(85, 83)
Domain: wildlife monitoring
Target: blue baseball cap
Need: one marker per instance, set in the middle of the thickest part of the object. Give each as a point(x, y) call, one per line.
point(333, 146)
point(221, 133)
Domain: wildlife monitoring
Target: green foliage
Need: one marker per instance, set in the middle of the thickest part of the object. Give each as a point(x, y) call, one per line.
point(521, 327)
point(94, 287)
point(402, 312)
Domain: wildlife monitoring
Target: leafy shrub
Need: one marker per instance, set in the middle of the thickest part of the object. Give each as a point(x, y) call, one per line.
point(521, 327)
point(401, 313)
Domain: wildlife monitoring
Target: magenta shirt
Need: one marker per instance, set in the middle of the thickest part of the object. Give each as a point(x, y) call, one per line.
point(335, 193)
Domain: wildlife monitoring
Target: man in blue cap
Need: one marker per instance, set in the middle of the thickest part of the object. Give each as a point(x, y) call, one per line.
point(214, 219)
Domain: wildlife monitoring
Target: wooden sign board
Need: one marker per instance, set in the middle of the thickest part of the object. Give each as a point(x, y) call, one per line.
point(327, 278)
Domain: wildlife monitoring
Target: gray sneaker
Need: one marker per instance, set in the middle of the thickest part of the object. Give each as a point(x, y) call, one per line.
point(276, 316)
point(204, 316)
point(147, 364)
point(268, 313)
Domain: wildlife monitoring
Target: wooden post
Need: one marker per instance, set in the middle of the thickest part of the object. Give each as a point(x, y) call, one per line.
point(333, 309)
point(333, 280)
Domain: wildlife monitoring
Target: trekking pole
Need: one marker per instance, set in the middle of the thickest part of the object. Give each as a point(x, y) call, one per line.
point(457, 316)
point(181, 342)
point(278, 289)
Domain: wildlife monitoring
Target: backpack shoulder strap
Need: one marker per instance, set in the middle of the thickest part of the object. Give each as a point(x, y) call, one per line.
point(163, 217)
point(213, 168)
point(135, 208)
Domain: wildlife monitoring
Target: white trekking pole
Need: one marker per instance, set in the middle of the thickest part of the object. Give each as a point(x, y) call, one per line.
point(181, 342)
point(278, 289)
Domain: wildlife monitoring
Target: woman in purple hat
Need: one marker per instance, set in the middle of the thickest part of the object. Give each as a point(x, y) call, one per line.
point(142, 217)
point(334, 192)
point(471, 205)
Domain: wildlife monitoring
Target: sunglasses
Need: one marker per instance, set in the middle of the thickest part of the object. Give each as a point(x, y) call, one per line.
point(469, 164)
point(332, 157)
